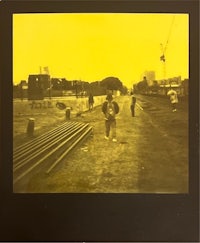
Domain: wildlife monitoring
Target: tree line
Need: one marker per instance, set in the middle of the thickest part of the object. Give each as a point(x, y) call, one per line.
point(57, 87)
point(99, 87)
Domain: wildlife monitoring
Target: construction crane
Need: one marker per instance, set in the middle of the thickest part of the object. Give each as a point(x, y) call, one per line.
point(163, 60)
point(164, 48)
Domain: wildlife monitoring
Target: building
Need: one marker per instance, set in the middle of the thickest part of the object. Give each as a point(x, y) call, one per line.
point(150, 77)
point(38, 86)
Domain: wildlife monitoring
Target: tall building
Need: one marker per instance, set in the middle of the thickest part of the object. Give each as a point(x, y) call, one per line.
point(150, 76)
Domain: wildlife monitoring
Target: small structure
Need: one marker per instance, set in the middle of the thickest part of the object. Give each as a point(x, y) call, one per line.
point(30, 127)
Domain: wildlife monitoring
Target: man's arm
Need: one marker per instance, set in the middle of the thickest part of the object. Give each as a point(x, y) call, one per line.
point(116, 107)
point(104, 107)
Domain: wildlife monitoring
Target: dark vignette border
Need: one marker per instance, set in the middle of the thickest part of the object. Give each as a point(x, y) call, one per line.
point(97, 217)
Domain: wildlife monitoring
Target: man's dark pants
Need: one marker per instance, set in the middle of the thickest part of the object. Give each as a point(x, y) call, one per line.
point(133, 110)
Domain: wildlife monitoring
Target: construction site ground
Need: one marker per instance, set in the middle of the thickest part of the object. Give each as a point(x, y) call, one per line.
point(150, 155)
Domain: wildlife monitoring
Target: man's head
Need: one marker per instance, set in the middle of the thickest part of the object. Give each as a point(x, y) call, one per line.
point(109, 97)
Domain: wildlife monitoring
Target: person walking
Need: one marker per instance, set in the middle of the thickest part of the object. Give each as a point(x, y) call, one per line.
point(110, 109)
point(133, 101)
point(173, 98)
point(90, 101)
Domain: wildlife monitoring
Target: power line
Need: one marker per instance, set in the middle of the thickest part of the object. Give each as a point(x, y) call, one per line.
point(169, 34)
point(164, 48)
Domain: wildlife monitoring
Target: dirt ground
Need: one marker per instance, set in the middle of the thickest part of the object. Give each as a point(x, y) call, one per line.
point(150, 156)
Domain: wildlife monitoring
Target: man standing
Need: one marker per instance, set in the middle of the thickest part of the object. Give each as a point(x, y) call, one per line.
point(110, 108)
point(133, 101)
point(90, 101)
point(173, 98)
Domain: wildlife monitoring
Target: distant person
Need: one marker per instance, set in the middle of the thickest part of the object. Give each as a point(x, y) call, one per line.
point(173, 98)
point(133, 102)
point(91, 102)
point(110, 108)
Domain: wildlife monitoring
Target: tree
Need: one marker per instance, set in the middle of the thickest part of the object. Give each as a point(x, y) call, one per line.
point(111, 83)
point(96, 89)
point(56, 83)
point(142, 86)
point(124, 90)
point(155, 86)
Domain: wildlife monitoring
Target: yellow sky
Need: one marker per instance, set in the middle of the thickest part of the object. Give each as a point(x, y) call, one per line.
point(91, 47)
